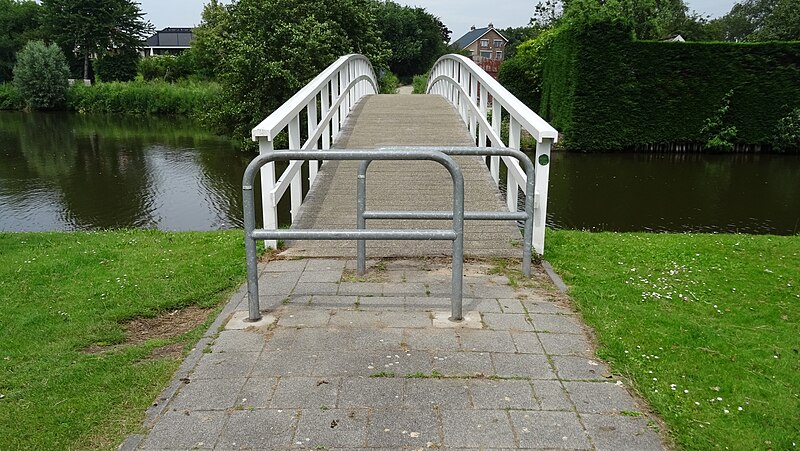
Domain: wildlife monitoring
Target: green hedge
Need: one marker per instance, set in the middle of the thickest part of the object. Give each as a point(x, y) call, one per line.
point(604, 91)
point(145, 98)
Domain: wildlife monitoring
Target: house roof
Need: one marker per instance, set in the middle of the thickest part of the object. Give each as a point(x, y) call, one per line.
point(474, 35)
point(171, 37)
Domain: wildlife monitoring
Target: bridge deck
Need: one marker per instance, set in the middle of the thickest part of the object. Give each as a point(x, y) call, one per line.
point(398, 120)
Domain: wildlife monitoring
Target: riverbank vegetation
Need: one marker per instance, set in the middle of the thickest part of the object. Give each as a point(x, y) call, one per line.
point(705, 327)
point(81, 358)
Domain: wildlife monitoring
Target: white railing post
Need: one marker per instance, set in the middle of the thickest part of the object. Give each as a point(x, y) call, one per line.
point(297, 181)
point(270, 211)
point(473, 97)
point(484, 108)
point(313, 123)
point(326, 107)
point(334, 98)
point(512, 189)
point(542, 164)
point(494, 162)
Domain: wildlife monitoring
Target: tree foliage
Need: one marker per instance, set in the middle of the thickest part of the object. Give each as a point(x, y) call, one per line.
point(19, 23)
point(95, 27)
point(415, 37)
point(759, 20)
point(41, 75)
point(268, 49)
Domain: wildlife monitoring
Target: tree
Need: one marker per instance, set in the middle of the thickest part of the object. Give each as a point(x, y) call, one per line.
point(272, 48)
point(19, 23)
point(782, 24)
point(759, 20)
point(41, 75)
point(415, 37)
point(209, 46)
point(95, 27)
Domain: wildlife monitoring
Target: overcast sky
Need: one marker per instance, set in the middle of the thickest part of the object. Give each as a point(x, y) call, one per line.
point(458, 15)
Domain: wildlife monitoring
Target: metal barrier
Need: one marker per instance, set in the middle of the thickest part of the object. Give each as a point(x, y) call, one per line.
point(456, 235)
point(527, 215)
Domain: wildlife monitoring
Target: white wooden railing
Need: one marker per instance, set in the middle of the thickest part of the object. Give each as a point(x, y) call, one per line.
point(325, 102)
point(469, 88)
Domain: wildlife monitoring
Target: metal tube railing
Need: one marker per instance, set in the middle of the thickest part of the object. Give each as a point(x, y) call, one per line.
point(527, 215)
point(456, 235)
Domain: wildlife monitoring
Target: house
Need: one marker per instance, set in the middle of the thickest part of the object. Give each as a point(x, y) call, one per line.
point(483, 43)
point(169, 41)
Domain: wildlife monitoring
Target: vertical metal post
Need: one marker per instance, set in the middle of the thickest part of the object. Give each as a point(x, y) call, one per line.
point(527, 231)
point(512, 195)
point(456, 307)
point(270, 212)
point(297, 182)
point(361, 223)
point(251, 253)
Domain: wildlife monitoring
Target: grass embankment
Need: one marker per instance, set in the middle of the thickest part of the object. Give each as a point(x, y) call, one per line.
point(707, 328)
point(62, 293)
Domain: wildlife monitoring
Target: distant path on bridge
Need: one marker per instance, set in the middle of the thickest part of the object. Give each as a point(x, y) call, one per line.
point(404, 120)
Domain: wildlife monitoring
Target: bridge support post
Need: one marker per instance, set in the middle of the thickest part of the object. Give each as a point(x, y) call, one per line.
point(270, 212)
point(542, 164)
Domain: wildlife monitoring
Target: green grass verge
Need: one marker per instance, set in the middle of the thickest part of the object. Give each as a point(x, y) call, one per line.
point(707, 328)
point(62, 292)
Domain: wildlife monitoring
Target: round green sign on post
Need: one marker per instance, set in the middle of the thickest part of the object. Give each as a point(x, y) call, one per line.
point(544, 160)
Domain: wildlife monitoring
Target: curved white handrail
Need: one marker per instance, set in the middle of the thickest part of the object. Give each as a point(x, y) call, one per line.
point(327, 101)
point(469, 89)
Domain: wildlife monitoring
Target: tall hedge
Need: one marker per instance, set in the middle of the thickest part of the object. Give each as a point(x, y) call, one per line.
point(604, 91)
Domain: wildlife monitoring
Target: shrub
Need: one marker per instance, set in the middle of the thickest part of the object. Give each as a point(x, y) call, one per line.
point(145, 98)
point(720, 135)
point(420, 83)
point(787, 133)
point(10, 98)
point(167, 67)
point(388, 83)
point(41, 75)
point(120, 66)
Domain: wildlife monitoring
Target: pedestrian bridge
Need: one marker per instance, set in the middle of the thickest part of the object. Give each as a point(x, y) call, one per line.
point(463, 107)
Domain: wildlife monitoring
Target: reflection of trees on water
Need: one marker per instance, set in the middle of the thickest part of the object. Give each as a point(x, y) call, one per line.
point(222, 173)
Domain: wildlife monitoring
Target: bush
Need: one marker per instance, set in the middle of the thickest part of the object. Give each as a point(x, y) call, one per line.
point(41, 75)
point(121, 66)
point(522, 74)
point(166, 67)
point(420, 83)
point(145, 98)
point(10, 98)
point(388, 83)
point(787, 133)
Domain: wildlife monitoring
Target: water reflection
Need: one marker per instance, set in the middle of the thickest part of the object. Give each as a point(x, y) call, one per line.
point(67, 172)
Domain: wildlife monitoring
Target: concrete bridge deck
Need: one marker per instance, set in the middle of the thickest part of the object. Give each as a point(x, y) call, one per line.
point(404, 120)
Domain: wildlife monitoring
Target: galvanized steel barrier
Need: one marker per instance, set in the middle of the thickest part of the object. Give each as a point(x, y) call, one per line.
point(527, 215)
point(456, 235)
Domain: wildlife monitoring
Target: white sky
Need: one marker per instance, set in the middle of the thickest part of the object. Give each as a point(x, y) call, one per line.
point(458, 15)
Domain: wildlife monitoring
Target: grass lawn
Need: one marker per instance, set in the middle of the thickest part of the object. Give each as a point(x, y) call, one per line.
point(61, 293)
point(706, 327)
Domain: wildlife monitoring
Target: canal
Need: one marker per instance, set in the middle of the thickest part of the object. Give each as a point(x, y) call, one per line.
point(78, 172)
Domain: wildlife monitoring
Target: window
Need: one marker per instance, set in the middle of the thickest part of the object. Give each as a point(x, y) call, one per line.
point(498, 55)
point(484, 43)
point(486, 55)
point(498, 43)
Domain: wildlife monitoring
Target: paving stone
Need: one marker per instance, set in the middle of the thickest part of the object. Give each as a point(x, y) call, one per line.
point(239, 341)
point(330, 302)
point(285, 363)
point(600, 397)
point(207, 394)
point(551, 395)
point(612, 432)
point(361, 288)
point(523, 365)
point(511, 306)
point(305, 393)
point(463, 363)
point(549, 430)
point(527, 342)
point(496, 292)
point(486, 341)
point(256, 392)
point(362, 363)
point(481, 305)
point(544, 307)
point(417, 303)
point(351, 318)
point(406, 319)
point(286, 265)
point(566, 344)
point(316, 288)
point(178, 430)
point(258, 429)
point(320, 276)
point(372, 340)
point(404, 428)
point(316, 339)
point(443, 393)
point(304, 317)
point(381, 303)
point(557, 324)
point(502, 394)
point(431, 339)
point(224, 365)
point(373, 392)
point(324, 264)
point(502, 321)
point(326, 429)
point(477, 429)
point(404, 289)
point(579, 368)
point(439, 290)
point(280, 339)
point(277, 283)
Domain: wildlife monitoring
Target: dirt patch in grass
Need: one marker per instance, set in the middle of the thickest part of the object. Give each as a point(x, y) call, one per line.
point(166, 325)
